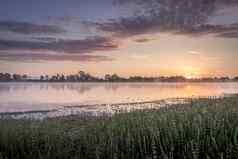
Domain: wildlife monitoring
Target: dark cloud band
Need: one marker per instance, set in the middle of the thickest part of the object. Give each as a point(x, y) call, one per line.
point(188, 17)
point(65, 46)
point(29, 28)
point(52, 57)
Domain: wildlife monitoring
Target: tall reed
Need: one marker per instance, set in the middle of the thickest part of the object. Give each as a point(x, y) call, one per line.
point(204, 128)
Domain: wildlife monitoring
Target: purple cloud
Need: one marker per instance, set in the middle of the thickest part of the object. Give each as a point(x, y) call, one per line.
point(83, 46)
point(29, 28)
point(188, 17)
point(52, 57)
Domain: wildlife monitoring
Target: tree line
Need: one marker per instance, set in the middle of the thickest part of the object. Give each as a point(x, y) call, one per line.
point(82, 76)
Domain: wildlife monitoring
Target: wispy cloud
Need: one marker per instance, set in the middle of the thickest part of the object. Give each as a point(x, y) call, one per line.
point(29, 28)
point(51, 57)
point(228, 35)
point(83, 46)
point(143, 40)
point(213, 59)
point(139, 57)
point(186, 17)
point(209, 29)
point(53, 49)
point(194, 53)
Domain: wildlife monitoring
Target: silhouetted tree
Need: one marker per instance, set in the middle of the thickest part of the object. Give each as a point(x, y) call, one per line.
point(24, 77)
point(16, 77)
point(5, 77)
point(82, 76)
point(107, 77)
point(42, 78)
point(47, 77)
point(223, 79)
point(62, 78)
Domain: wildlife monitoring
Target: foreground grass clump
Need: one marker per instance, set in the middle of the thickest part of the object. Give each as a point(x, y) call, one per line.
point(204, 128)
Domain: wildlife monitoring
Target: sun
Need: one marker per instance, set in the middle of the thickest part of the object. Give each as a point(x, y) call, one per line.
point(191, 76)
point(191, 72)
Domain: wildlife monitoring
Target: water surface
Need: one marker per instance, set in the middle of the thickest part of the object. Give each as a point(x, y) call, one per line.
point(21, 97)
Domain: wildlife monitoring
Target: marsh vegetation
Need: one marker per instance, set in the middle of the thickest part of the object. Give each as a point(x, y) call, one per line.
point(202, 128)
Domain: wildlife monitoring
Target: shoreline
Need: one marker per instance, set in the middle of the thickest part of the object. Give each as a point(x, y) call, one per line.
point(158, 103)
point(104, 109)
point(33, 81)
point(206, 126)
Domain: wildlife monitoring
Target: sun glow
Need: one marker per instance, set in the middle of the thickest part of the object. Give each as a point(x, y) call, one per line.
point(191, 77)
point(191, 72)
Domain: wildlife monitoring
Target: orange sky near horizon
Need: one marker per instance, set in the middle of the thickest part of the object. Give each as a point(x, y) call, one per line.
point(165, 55)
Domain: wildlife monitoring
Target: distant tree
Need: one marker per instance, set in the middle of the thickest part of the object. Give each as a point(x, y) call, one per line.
point(4, 77)
point(107, 77)
point(224, 79)
point(24, 77)
point(76, 77)
point(58, 77)
point(206, 79)
point(235, 78)
point(82, 75)
point(16, 77)
point(53, 78)
point(8, 76)
point(136, 79)
point(47, 77)
point(115, 77)
point(62, 78)
point(42, 78)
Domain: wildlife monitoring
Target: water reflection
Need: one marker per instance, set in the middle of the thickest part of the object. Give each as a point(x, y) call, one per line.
point(18, 97)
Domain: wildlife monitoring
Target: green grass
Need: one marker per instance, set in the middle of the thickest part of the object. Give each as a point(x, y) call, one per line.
point(204, 128)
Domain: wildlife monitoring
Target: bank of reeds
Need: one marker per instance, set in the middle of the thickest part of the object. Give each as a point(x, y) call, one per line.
point(201, 129)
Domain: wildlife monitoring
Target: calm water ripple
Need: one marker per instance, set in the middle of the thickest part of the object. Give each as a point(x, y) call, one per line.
point(56, 99)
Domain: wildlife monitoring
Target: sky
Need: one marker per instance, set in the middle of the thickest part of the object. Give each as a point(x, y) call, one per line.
point(192, 38)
